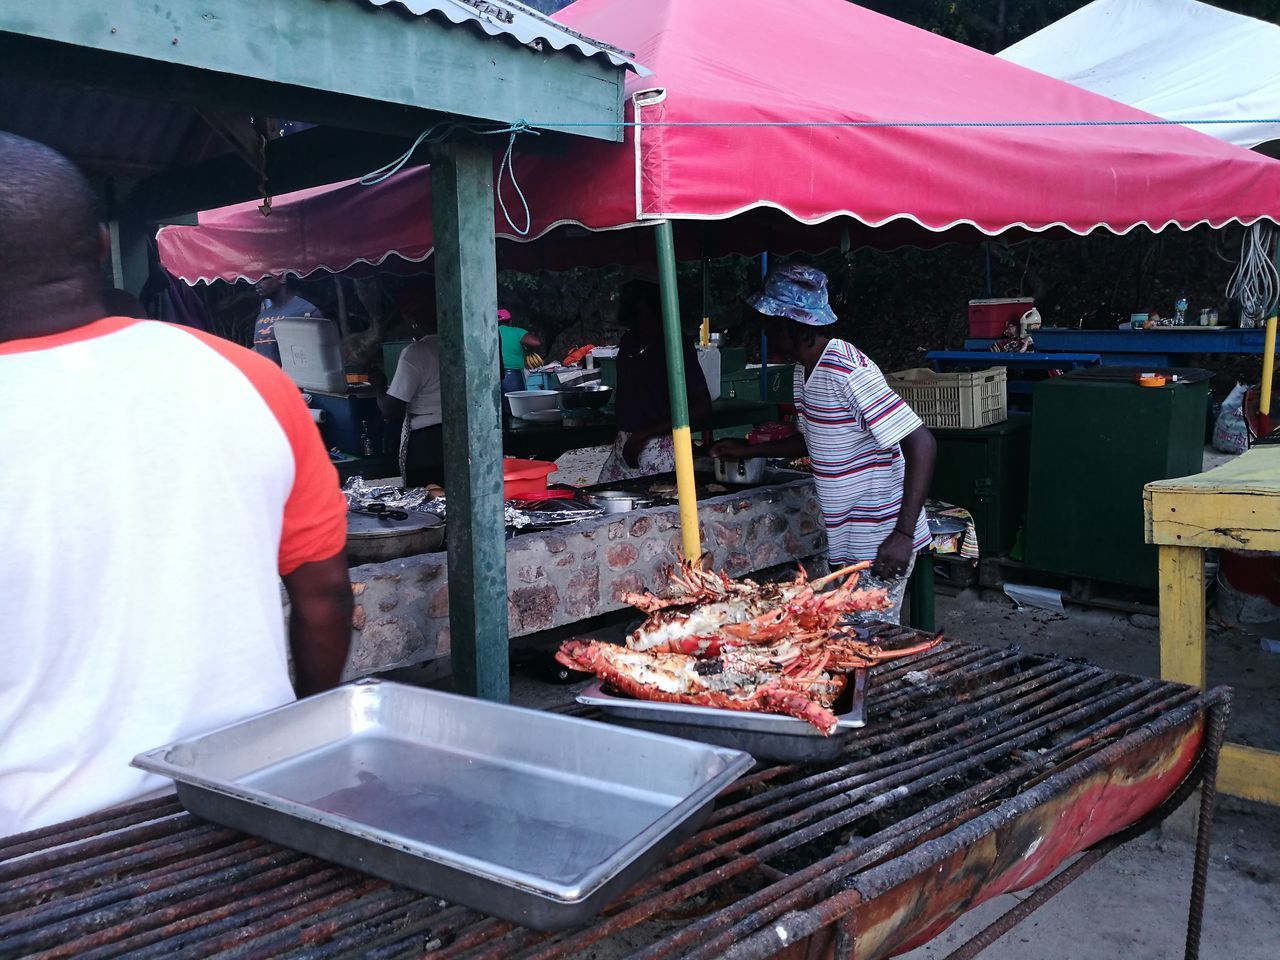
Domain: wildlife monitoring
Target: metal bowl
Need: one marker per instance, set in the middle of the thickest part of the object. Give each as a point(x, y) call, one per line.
point(591, 395)
point(616, 501)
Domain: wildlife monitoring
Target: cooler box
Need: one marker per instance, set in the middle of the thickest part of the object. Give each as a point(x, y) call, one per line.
point(311, 353)
point(987, 318)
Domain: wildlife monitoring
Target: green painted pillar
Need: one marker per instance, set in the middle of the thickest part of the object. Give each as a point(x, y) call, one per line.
point(681, 439)
point(467, 304)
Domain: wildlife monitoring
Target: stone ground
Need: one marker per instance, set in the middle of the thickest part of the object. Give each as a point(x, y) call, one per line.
point(1132, 905)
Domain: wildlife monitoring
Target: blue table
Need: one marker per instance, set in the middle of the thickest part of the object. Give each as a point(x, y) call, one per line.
point(1162, 347)
point(976, 359)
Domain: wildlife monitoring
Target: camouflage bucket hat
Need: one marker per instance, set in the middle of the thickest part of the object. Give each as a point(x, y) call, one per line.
point(797, 292)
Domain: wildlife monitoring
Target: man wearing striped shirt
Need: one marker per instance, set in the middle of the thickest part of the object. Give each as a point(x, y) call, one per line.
point(872, 457)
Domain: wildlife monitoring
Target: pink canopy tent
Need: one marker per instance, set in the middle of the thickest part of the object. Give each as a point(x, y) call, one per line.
point(745, 137)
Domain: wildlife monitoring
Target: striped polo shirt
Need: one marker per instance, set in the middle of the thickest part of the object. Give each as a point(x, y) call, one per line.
point(852, 425)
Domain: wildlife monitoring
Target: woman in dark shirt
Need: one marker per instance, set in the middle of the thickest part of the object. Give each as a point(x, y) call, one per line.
point(641, 402)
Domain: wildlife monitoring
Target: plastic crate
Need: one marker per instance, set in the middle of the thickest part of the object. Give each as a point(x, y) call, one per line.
point(974, 398)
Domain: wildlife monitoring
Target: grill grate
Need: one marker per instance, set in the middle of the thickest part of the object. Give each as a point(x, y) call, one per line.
point(951, 733)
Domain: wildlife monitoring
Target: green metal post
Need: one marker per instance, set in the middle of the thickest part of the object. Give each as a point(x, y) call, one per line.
point(921, 590)
point(466, 300)
point(682, 443)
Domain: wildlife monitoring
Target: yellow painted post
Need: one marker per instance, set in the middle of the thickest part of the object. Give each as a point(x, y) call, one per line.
point(1268, 365)
point(681, 439)
point(1182, 615)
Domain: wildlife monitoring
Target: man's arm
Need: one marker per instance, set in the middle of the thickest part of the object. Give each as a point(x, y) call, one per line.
point(918, 451)
point(531, 341)
point(788, 448)
point(392, 408)
point(319, 622)
point(699, 410)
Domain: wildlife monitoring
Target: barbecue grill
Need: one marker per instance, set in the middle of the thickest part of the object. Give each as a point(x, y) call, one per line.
point(980, 771)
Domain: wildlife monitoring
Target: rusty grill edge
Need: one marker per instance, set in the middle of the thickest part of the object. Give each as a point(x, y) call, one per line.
point(961, 740)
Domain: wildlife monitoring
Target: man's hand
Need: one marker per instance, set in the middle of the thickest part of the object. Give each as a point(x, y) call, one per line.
point(894, 556)
point(733, 449)
point(632, 449)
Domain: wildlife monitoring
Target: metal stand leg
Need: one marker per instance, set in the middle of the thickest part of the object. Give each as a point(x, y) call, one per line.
point(1216, 726)
point(921, 589)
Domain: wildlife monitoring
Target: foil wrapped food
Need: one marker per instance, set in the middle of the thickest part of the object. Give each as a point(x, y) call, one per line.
point(517, 514)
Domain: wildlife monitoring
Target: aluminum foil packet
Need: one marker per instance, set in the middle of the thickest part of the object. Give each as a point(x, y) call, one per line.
point(360, 494)
point(550, 512)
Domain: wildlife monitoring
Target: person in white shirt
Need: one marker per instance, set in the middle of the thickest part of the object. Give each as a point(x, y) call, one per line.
point(413, 397)
point(147, 520)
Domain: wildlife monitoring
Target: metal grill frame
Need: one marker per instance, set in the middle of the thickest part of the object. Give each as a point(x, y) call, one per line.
point(147, 880)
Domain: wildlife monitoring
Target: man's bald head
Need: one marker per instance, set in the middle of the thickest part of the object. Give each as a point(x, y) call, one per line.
point(50, 238)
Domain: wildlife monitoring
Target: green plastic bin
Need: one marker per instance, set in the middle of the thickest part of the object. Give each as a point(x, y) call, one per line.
point(985, 470)
point(1097, 439)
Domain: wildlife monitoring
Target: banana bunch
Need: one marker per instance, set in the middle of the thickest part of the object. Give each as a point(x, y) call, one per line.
point(533, 361)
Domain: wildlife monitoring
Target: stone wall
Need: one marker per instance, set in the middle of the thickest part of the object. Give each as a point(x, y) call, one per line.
point(566, 575)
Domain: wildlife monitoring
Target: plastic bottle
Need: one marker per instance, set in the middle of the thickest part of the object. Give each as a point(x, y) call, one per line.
point(1180, 312)
point(366, 442)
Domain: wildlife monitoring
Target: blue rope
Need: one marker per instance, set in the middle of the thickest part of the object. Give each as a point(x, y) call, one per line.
point(507, 168)
point(433, 134)
point(902, 123)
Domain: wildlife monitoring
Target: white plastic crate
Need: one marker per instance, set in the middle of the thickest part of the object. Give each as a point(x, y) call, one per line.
point(974, 398)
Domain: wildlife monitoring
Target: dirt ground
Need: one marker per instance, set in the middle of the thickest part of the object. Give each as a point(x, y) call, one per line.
point(1133, 904)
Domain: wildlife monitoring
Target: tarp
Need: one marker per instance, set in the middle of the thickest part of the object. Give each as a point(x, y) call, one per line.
point(1178, 59)
point(752, 113)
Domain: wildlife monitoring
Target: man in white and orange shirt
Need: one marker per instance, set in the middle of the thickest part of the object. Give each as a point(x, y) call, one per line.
point(157, 483)
point(872, 457)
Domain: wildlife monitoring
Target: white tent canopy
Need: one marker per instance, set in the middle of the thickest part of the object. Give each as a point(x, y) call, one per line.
point(1177, 59)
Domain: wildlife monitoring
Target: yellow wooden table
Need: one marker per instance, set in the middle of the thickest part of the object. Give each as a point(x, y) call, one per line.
point(1232, 507)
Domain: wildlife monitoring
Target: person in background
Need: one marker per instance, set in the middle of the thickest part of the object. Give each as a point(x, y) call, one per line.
point(641, 400)
point(413, 398)
point(872, 457)
point(514, 342)
point(138, 619)
point(279, 299)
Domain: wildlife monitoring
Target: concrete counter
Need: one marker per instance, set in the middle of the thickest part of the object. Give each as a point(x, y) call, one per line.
point(561, 576)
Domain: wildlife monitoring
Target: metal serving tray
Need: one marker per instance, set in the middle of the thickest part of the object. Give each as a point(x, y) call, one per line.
point(535, 817)
point(766, 736)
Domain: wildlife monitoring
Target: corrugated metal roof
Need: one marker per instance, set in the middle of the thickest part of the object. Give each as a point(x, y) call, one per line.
point(105, 133)
point(506, 18)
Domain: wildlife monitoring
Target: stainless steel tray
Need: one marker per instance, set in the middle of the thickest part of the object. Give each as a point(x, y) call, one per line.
point(534, 817)
point(766, 736)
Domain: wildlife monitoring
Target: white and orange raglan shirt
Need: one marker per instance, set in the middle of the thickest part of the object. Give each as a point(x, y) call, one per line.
point(156, 484)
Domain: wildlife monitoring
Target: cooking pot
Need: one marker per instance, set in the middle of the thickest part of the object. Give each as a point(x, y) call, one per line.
point(729, 470)
point(375, 539)
point(617, 501)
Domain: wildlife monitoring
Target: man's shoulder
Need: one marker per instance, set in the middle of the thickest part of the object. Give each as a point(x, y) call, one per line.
point(425, 350)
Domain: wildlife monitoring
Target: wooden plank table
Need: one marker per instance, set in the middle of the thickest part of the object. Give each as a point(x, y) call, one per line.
point(1232, 507)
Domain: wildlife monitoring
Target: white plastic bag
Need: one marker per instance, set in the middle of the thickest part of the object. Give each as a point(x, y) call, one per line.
point(1230, 430)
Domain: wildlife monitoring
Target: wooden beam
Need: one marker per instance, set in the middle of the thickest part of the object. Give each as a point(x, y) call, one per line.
point(306, 159)
point(467, 305)
point(1250, 773)
point(1182, 632)
point(311, 60)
